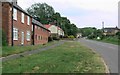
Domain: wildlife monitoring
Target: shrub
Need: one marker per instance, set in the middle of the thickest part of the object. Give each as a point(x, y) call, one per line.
point(4, 39)
point(56, 38)
point(50, 39)
point(66, 36)
point(71, 36)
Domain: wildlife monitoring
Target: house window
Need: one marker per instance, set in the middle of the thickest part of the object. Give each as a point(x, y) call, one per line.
point(22, 17)
point(32, 27)
point(36, 37)
point(28, 20)
point(39, 37)
point(15, 14)
point(28, 36)
point(35, 27)
point(15, 34)
point(38, 27)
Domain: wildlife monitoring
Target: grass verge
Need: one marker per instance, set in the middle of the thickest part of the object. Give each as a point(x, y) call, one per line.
point(112, 40)
point(71, 57)
point(8, 50)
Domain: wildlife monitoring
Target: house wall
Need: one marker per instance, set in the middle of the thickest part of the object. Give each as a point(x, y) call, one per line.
point(6, 21)
point(53, 29)
point(22, 27)
point(40, 35)
point(0, 14)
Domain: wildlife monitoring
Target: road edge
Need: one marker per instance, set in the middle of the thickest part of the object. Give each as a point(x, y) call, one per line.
point(107, 69)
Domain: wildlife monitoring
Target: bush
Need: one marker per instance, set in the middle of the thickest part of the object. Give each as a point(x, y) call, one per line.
point(56, 38)
point(71, 36)
point(118, 35)
point(4, 39)
point(66, 36)
point(50, 39)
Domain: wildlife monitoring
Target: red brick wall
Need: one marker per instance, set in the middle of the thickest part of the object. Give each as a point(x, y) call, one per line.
point(22, 27)
point(0, 14)
point(38, 33)
point(6, 21)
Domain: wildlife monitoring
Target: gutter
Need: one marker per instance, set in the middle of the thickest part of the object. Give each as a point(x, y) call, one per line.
point(12, 25)
point(33, 34)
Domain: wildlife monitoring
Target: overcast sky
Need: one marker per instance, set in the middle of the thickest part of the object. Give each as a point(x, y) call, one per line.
point(83, 13)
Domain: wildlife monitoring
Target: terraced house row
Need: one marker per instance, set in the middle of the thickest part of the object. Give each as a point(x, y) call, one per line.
point(20, 27)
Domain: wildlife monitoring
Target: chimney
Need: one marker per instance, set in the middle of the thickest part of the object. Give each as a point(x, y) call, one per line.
point(14, 2)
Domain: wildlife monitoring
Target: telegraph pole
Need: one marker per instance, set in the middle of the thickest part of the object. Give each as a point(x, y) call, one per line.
point(103, 26)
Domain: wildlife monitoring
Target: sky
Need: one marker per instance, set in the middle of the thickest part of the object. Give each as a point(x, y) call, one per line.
point(83, 13)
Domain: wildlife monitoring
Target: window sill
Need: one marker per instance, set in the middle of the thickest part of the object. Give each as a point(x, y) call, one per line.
point(15, 19)
point(28, 40)
point(22, 22)
point(15, 39)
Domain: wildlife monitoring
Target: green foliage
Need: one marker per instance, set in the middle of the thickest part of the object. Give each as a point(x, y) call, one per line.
point(41, 12)
point(71, 57)
point(55, 38)
point(8, 50)
point(118, 35)
point(50, 39)
point(46, 15)
point(0, 38)
point(4, 39)
point(71, 36)
point(91, 32)
point(111, 39)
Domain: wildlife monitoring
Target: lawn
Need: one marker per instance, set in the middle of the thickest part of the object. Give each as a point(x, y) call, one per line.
point(70, 57)
point(8, 50)
point(112, 40)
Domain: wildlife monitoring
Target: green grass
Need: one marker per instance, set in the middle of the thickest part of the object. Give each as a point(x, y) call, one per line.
point(71, 57)
point(8, 50)
point(112, 40)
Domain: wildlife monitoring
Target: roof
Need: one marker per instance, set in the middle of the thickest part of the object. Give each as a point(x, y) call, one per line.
point(47, 26)
point(38, 24)
point(113, 28)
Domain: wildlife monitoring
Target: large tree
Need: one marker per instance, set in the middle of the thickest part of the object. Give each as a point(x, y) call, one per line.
point(46, 15)
point(41, 12)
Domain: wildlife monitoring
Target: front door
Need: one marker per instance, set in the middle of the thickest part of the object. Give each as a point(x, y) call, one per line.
point(22, 38)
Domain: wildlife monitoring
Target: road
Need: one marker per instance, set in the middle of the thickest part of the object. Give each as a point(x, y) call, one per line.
point(108, 52)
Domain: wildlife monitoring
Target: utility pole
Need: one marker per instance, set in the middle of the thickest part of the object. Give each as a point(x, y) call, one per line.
point(103, 26)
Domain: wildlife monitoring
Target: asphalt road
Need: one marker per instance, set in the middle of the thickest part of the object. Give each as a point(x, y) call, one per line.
point(108, 52)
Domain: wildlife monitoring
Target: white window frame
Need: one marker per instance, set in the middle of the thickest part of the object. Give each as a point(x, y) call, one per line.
point(28, 36)
point(32, 27)
point(28, 20)
point(14, 14)
point(22, 17)
point(15, 34)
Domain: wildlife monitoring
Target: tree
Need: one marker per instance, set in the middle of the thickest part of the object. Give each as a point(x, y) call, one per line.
point(41, 12)
point(46, 15)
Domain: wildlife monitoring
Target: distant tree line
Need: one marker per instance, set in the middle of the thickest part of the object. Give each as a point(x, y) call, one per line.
point(47, 15)
point(91, 32)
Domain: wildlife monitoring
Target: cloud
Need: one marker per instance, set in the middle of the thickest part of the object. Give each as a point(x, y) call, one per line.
point(83, 13)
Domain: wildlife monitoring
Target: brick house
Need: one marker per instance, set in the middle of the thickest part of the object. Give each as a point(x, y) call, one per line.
point(111, 30)
point(17, 25)
point(40, 33)
point(0, 14)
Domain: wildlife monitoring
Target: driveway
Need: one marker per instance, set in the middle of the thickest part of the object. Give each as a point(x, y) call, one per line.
point(108, 52)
